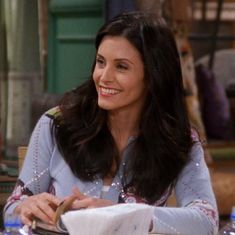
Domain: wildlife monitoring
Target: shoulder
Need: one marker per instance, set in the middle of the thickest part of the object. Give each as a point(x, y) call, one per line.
point(47, 119)
point(197, 151)
point(194, 135)
point(53, 113)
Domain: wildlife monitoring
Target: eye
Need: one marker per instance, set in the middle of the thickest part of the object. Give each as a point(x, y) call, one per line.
point(122, 66)
point(100, 62)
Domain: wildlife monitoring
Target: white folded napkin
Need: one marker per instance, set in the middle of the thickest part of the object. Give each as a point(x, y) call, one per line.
point(120, 219)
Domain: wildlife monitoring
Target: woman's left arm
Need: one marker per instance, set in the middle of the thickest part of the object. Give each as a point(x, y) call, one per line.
point(197, 212)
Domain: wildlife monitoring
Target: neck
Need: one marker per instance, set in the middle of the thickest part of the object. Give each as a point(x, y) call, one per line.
point(122, 126)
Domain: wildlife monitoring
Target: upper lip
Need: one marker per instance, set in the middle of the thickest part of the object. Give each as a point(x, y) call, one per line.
point(111, 88)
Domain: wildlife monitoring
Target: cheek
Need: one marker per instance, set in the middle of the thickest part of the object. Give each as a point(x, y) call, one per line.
point(95, 76)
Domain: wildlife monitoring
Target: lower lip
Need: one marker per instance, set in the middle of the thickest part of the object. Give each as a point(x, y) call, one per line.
point(105, 95)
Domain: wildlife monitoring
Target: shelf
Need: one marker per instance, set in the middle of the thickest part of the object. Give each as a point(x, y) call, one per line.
point(227, 13)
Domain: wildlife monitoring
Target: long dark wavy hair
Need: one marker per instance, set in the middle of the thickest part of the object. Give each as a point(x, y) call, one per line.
point(161, 149)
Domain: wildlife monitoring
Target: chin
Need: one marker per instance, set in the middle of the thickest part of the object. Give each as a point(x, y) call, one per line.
point(104, 105)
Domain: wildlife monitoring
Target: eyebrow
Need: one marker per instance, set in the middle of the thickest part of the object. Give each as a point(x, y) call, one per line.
point(117, 59)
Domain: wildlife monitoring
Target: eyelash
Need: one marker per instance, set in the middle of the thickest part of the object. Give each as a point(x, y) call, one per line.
point(101, 62)
point(122, 67)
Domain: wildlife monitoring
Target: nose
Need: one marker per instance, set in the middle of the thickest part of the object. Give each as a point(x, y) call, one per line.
point(106, 75)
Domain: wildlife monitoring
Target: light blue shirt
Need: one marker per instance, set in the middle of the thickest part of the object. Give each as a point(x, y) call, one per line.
point(44, 170)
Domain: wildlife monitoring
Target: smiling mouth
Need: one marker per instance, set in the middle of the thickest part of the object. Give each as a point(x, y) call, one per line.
point(108, 91)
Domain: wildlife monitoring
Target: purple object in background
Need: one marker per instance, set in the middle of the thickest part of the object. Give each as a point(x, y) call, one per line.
point(214, 105)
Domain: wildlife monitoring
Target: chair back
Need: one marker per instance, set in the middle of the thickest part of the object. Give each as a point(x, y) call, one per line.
point(21, 155)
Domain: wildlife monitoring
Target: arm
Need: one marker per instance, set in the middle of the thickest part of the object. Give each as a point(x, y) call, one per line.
point(197, 212)
point(34, 179)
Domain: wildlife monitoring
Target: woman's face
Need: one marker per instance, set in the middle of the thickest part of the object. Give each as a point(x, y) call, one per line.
point(119, 75)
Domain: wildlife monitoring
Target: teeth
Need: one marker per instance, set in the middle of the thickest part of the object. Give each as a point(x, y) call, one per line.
point(109, 91)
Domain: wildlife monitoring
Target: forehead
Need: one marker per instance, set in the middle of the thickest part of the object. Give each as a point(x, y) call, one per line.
point(117, 46)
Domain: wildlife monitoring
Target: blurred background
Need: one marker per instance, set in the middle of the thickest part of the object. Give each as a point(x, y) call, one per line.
point(47, 48)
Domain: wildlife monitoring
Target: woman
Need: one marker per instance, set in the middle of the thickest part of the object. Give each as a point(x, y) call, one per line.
point(123, 136)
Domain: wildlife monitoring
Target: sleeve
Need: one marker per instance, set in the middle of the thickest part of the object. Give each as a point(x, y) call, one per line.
point(197, 212)
point(34, 177)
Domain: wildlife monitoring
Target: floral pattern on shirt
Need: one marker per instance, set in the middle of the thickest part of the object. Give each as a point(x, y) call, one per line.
point(21, 192)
